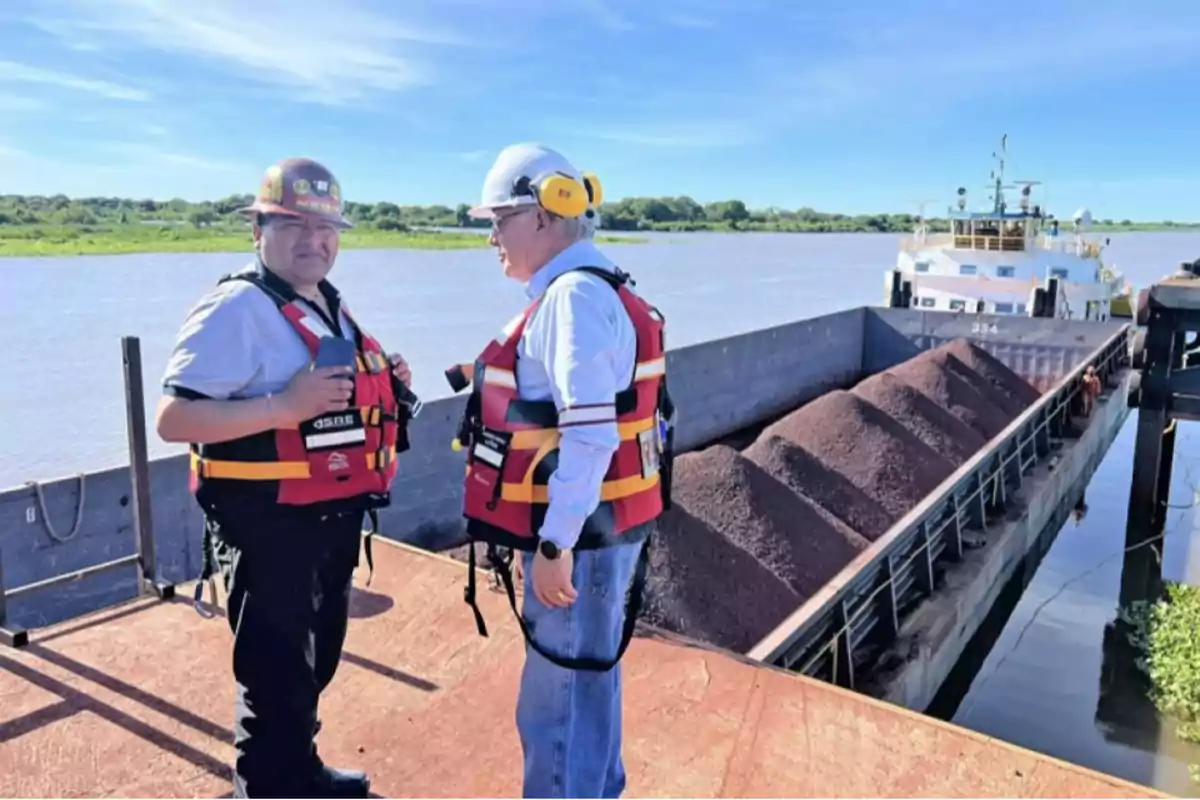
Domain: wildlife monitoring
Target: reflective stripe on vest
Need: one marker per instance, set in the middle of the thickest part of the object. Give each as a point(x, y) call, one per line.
point(336, 456)
point(513, 443)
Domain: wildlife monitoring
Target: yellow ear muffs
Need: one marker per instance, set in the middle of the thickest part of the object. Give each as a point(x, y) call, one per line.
point(594, 189)
point(563, 196)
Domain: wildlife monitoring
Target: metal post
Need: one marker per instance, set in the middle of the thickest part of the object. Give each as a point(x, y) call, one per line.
point(139, 465)
point(1166, 459)
point(924, 568)
point(955, 540)
point(1152, 423)
point(843, 652)
point(891, 616)
point(9, 636)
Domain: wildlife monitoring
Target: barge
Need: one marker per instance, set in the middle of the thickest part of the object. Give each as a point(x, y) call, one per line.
point(89, 567)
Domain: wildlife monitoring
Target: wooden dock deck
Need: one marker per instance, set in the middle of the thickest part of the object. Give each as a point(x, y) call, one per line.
point(137, 701)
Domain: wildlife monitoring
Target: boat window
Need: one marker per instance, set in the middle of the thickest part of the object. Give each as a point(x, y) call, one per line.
point(922, 266)
point(1004, 308)
point(928, 302)
point(967, 269)
point(1020, 308)
point(1059, 272)
point(958, 305)
point(1005, 272)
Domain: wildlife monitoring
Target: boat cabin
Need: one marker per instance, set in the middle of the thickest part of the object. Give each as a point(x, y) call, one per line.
point(995, 231)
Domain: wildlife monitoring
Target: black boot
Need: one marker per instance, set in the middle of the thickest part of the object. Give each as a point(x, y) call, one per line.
point(333, 782)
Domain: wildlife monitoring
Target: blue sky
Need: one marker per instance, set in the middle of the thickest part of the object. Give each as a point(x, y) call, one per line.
point(871, 107)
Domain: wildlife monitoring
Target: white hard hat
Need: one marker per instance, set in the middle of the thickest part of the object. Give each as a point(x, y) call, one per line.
point(504, 188)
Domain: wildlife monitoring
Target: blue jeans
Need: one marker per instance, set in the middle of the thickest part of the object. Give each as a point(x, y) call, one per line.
point(570, 720)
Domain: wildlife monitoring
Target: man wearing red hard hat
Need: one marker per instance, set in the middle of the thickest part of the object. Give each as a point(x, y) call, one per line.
point(295, 416)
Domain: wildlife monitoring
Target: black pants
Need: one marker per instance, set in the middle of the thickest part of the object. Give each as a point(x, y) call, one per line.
point(288, 575)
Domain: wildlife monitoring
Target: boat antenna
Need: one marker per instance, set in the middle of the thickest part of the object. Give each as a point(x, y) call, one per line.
point(998, 176)
point(920, 229)
point(1026, 192)
point(921, 210)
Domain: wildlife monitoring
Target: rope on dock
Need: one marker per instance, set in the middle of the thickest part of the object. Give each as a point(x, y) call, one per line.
point(47, 524)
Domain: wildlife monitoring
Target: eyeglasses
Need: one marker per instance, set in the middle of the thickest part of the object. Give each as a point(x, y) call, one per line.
point(499, 221)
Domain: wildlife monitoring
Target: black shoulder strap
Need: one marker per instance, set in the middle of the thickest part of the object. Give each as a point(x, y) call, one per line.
point(616, 279)
point(250, 275)
point(502, 568)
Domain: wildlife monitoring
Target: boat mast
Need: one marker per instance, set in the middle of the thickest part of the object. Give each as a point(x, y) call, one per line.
point(921, 229)
point(998, 174)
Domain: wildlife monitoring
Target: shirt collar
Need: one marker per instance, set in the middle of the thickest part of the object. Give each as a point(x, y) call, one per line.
point(278, 284)
point(580, 254)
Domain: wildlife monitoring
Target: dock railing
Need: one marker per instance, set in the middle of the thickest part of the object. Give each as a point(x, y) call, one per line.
point(858, 613)
point(143, 526)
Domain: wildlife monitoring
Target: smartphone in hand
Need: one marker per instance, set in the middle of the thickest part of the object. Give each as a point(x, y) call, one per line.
point(334, 351)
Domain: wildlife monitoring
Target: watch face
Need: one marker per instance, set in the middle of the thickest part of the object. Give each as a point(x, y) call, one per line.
point(549, 549)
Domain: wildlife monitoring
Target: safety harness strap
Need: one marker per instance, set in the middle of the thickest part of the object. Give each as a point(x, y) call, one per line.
point(374, 517)
point(503, 569)
point(208, 564)
point(207, 569)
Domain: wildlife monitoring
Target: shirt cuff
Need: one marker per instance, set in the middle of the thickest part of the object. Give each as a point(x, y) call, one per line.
point(175, 390)
point(561, 527)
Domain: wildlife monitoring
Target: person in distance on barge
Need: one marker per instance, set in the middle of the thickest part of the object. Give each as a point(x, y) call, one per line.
point(287, 458)
point(573, 395)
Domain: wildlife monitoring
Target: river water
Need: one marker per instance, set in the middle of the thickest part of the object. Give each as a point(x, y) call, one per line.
point(1052, 680)
point(1039, 684)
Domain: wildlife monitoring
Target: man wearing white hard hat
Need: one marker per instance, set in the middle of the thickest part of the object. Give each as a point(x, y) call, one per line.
point(568, 438)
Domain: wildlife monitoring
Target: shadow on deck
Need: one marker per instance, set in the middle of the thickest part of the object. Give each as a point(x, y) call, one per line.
point(138, 701)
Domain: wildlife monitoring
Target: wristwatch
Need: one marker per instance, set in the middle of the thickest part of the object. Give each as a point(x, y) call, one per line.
point(548, 549)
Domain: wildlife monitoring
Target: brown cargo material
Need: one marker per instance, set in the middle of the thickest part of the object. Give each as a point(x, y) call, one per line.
point(1012, 385)
point(872, 450)
point(997, 398)
point(952, 393)
point(735, 497)
point(833, 495)
point(702, 585)
point(921, 417)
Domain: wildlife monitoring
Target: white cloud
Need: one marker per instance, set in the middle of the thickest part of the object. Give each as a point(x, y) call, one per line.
point(8, 151)
point(137, 152)
point(130, 170)
point(695, 134)
point(602, 12)
point(332, 52)
point(12, 72)
point(876, 70)
point(689, 21)
point(17, 104)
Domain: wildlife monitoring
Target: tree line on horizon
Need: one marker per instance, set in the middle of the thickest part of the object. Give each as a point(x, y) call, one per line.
point(628, 214)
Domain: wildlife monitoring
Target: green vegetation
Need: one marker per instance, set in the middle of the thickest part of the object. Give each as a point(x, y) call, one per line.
point(61, 226)
point(685, 214)
point(58, 225)
point(74, 240)
point(1167, 633)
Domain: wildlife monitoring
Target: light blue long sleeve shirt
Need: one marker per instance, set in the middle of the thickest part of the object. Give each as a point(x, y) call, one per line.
point(579, 349)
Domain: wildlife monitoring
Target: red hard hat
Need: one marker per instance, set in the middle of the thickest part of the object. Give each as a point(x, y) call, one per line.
point(300, 187)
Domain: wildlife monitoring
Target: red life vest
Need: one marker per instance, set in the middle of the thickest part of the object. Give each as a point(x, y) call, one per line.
point(341, 459)
point(512, 444)
point(512, 450)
